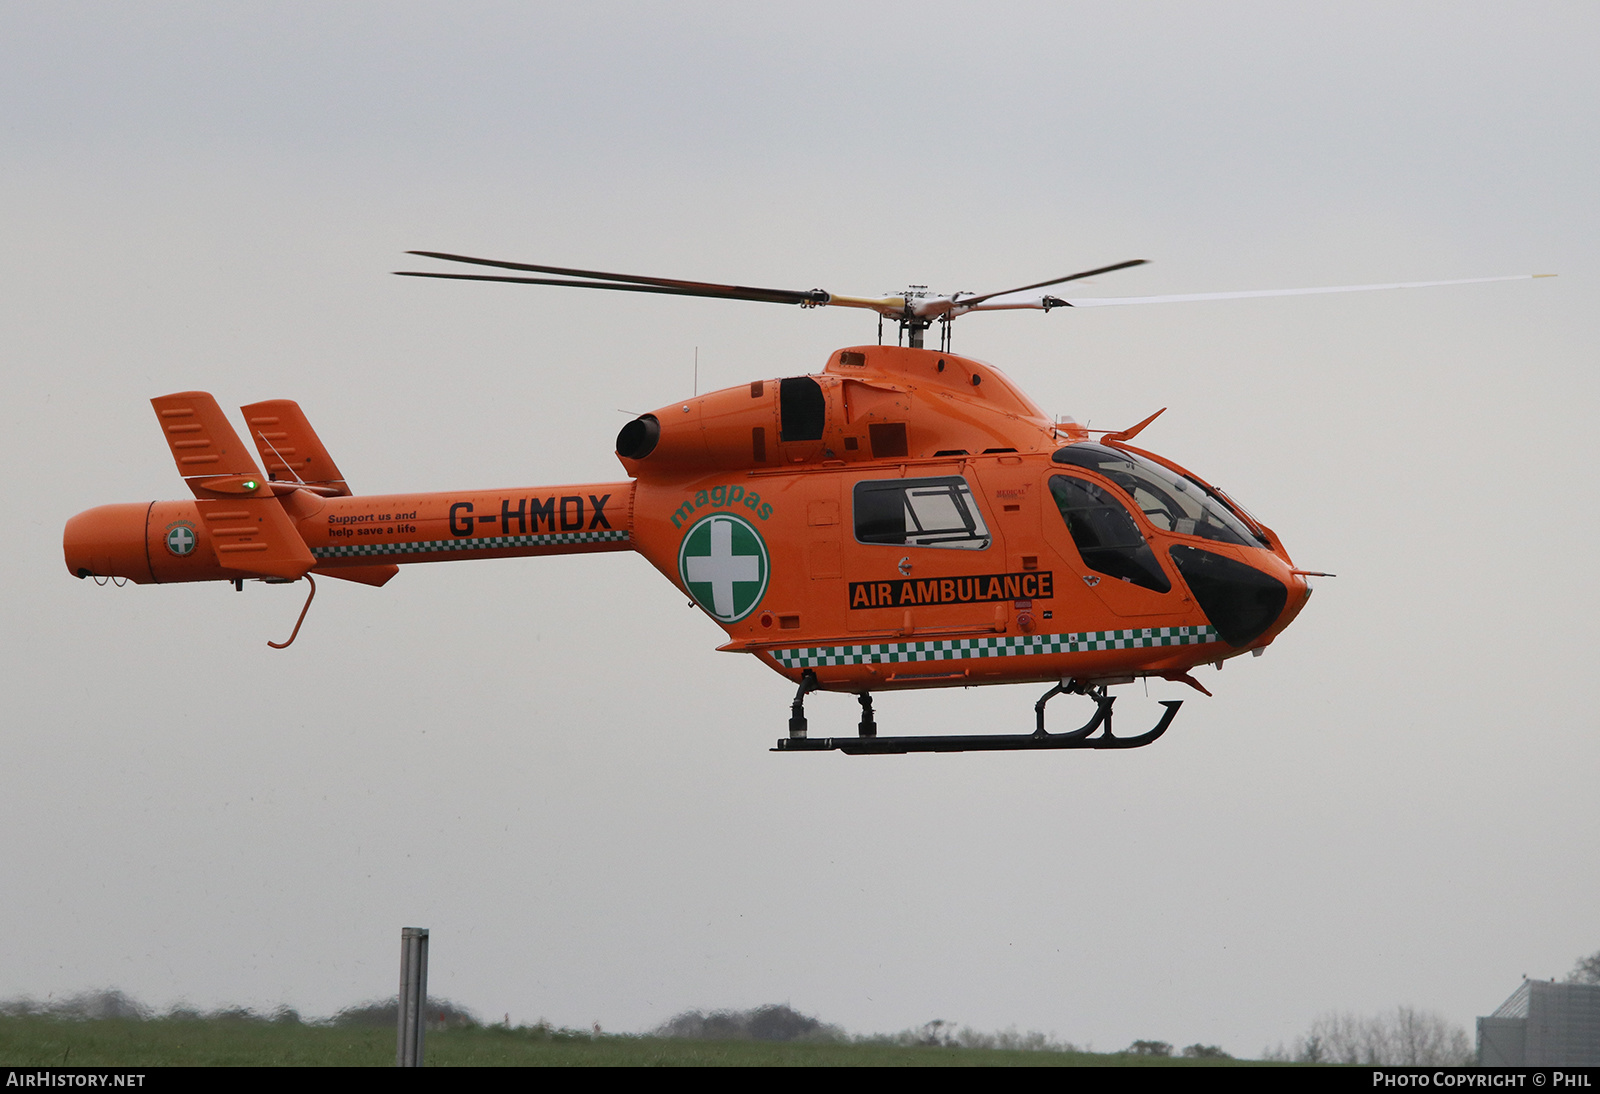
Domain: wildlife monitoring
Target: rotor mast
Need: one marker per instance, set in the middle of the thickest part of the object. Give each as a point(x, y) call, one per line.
point(914, 326)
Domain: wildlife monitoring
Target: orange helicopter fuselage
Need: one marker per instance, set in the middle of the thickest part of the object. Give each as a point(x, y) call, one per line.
point(906, 518)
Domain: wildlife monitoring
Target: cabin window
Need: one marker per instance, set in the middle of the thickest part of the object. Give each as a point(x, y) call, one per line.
point(937, 512)
point(1105, 533)
point(1168, 500)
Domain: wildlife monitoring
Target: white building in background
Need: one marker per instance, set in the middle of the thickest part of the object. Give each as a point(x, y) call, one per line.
point(1543, 1024)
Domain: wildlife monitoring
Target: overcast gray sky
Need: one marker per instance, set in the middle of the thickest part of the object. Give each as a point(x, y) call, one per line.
point(1395, 805)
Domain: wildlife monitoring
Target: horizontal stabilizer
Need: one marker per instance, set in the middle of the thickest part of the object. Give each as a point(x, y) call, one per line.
point(254, 536)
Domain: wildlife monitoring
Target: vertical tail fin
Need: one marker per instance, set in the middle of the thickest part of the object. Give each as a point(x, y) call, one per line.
point(248, 529)
point(209, 454)
point(290, 449)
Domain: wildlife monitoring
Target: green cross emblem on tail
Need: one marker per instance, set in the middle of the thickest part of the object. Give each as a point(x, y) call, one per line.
point(723, 563)
point(181, 539)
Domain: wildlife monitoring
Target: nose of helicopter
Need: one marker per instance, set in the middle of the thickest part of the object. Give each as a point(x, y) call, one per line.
point(1241, 601)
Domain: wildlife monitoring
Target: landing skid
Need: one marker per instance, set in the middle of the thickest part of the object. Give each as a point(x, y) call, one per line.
point(868, 743)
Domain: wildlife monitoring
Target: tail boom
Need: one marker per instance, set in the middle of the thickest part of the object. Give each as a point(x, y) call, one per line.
point(405, 528)
point(360, 538)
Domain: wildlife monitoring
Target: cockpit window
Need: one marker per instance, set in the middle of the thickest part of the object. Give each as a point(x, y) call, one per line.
point(920, 513)
point(1105, 533)
point(1170, 501)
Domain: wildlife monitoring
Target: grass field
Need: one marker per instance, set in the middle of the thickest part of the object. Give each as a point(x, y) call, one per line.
point(34, 1041)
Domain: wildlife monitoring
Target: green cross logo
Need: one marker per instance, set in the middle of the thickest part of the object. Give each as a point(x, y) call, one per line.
point(723, 563)
point(181, 538)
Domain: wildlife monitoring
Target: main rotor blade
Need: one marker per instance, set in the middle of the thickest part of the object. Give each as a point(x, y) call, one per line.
point(718, 292)
point(1110, 301)
point(664, 284)
point(1057, 281)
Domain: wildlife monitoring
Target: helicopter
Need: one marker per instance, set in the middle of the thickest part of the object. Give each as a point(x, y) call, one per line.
point(905, 518)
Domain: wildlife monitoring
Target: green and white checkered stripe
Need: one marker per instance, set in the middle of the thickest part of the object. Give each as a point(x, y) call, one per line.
point(961, 649)
point(481, 543)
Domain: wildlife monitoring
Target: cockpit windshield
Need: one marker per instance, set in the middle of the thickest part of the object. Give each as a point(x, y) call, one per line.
point(1170, 501)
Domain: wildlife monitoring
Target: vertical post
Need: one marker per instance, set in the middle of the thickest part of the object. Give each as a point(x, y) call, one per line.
point(413, 996)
